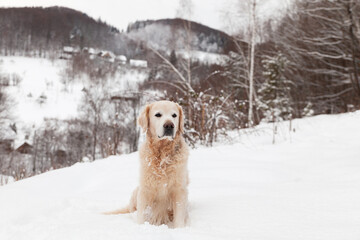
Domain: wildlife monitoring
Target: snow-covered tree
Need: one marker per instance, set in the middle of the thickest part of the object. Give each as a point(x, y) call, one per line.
point(273, 96)
point(308, 110)
point(5, 106)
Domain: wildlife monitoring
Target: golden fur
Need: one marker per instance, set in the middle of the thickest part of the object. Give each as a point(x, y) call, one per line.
point(161, 197)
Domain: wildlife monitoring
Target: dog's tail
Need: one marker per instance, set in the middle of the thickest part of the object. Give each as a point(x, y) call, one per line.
point(129, 209)
point(119, 211)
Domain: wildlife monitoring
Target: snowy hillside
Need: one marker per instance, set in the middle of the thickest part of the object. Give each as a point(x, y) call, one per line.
point(119, 14)
point(40, 94)
point(44, 91)
point(304, 189)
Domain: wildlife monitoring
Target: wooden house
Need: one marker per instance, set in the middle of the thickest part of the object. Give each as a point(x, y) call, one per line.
point(25, 148)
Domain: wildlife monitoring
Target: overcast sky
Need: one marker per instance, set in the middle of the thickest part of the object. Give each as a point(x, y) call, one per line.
point(121, 12)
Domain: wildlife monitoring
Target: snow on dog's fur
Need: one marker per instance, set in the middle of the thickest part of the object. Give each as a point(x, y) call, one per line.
point(161, 197)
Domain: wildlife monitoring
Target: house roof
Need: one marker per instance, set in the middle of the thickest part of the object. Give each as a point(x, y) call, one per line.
point(138, 63)
point(121, 58)
point(68, 49)
point(24, 145)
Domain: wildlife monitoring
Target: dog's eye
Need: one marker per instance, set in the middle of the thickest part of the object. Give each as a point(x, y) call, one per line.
point(174, 115)
point(158, 115)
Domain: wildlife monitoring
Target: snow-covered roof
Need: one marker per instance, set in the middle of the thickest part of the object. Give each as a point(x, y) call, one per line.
point(91, 51)
point(19, 142)
point(68, 49)
point(107, 54)
point(138, 63)
point(121, 58)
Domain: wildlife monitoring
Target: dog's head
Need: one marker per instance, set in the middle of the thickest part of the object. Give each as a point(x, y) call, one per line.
point(162, 119)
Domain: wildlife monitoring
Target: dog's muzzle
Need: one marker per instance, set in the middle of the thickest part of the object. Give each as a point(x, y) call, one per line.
point(168, 129)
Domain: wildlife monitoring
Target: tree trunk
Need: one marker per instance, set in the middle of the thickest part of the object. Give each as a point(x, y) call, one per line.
point(95, 141)
point(252, 59)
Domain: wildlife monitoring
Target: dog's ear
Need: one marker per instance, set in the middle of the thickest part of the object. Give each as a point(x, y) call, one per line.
point(143, 119)
point(181, 119)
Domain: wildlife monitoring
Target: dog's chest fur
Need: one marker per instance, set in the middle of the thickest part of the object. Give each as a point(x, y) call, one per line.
point(161, 161)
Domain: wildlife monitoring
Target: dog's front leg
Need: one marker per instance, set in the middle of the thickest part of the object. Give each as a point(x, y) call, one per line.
point(180, 208)
point(141, 206)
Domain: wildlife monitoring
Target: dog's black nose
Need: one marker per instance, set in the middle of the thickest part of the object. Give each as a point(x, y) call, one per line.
point(169, 125)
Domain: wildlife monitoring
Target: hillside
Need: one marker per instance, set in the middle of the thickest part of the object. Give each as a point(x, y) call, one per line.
point(49, 93)
point(303, 189)
point(42, 32)
point(46, 69)
point(173, 34)
point(39, 31)
point(48, 109)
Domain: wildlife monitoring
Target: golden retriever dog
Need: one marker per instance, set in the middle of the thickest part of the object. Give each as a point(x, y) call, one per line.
point(161, 197)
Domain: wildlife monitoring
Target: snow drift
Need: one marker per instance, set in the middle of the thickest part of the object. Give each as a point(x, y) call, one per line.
point(306, 188)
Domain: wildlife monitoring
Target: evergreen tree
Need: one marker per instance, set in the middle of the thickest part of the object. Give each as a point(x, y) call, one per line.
point(308, 110)
point(274, 94)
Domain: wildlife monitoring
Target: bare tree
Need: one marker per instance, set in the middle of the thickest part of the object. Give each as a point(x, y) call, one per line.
point(241, 64)
point(93, 107)
point(185, 11)
point(321, 40)
point(252, 59)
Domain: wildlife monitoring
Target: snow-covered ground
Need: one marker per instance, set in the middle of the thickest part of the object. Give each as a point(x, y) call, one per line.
point(40, 92)
point(308, 188)
point(4, 179)
point(43, 90)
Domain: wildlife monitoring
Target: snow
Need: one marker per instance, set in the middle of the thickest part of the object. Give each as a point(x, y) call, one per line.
point(121, 58)
point(4, 179)
point(69, 49)
point(40, 77)
point(44, 91)
point(91, 51)
point(138, 63)
point(204, 57)
point(303, 187)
